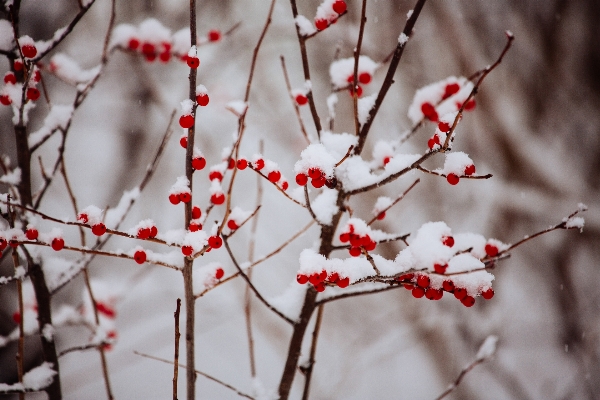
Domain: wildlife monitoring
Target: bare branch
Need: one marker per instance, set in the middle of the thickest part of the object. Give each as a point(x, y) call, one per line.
point(294, 104)
point(395, 201)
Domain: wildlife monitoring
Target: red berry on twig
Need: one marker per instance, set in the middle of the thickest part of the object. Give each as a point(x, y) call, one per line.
point(274, 176)
point(448, 241)
point(140, 256)
point(448, 286)
point(429, 112)
point(381, 215)
point(186, 121)
point(259, 164)
point(439, 268)
point(214, 35)
point(198, 163)
point(468, 301)
point(31, 233)
point(33, 94)
point(5, 100)
point(450, 89)
point(418, 292)
point(487, 294)
point(193, 62)
point(183, 142)
point(215, 242)
point(364, 78)
point(231, 224)
point(99, 229)
point(173, 198)
point(217, 198)
point(339, 6)
point(343, 283)
point(452, 178)
point(196, 212)
point(29, 50)
point(460, 293)
point(491, 250)
point(321, 24)
point(10, 78)
point(301, 279)
point(133, 44)
point(187, 250)
point(469, 170)
point(301, 99)
point(355, 251)
point(301, 179)
point(219, 273)
point(242, 164)
point(58, 244)
point(444, 127)
point(202, 99)
point(185, 197)
point(423, 281)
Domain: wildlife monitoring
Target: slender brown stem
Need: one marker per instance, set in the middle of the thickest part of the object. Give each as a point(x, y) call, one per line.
point(294, 104)
point(428, 171)
point(176, 356)
point(361, 32)
point(212, 378)
point(310, 210)
point(308, 368)
point(21, 345)
point(395, 201)
point(389, 78)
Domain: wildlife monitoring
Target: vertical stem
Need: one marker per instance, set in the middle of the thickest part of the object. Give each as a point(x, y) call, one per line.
point(176, 357)
point(21, 346)
point(190, 306)
point(313, 351)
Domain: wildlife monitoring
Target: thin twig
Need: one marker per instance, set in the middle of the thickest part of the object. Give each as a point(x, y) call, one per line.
point(176, 356)
point(277, 187)
point(256, 292)
point(345, 156)
point(428, 171)
point(395, 201)
point(308, 368)
point(294, 104)
point(509, 39)
point(460, 377)
point(212, 378)
point(310, 210)
point(361, 31)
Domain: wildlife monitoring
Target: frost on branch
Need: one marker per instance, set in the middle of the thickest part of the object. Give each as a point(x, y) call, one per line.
point(487, 348)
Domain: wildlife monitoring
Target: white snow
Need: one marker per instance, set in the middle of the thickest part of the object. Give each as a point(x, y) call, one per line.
point(67, 69)
point(181, 185)
point(402, 39)
point(365, 105)
point(187, 107)
point(382, 203)
point(238, 107)
point(48, 332)
point(332, 100)
point(6, 35)
point(54, 269)
point(173, 236)
point(356, 173)
point(115, 215)
point(304, 25)
point(238, 215)
point(58, 118)
point(434, 93)
point(12, 178)
point(487, 348)
point(201, 89)
point(121, 35)
point(324, 206)
point(39, 377)
point(315, 156)
point(93, 213)
point(455, 162)
point(575, 223)
point(341, 70)
point(325, 11)
point(289, 303)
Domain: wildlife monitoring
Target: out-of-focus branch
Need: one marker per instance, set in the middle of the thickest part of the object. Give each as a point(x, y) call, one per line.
point(176, 356)
point(294, 104)
point(395, 201)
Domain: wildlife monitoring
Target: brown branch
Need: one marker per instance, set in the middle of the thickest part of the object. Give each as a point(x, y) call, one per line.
point(176, 356)
point(509, 39)
point(460, 377)
point(305, 66)
point(345, 156)
point(212, 378)
point(296, 108)
point(428, 171)
point(271, 254)
point(371, 261)
point(277, 187)
point(310, 210)
point(308, 368)
point(395, 201)
point(256, 292)
point(361, 31)
point(21, 346)
point(389, 78)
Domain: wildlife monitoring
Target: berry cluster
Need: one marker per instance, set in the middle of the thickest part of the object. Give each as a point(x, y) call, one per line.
point(357, 241)
point(318, 179)
point(183, 197)
point(320, 279)
point(420, 286)
point(326, 17)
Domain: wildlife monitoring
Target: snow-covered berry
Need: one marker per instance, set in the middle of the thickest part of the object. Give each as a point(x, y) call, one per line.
point(186, 121)
point(5, 100)
point(469, 169)
point(217, 198)
point(202, 99)
point(174, 199)
point(58, 244)
point(429, 112)
point(187, 250)
point(274, 176)
point(33, 94)
point(491, 250)
point(29, 50)
point(242, 164)
point(214, 35)
point(487, 294)
point(231, 224)
point(10, 78)
point(193, 62)
point(301, 99)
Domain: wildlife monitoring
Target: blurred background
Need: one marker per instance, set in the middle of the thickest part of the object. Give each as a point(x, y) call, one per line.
point(535, 129)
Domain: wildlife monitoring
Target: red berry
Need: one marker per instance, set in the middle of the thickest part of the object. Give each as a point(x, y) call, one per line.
point(31, 233)
point(5, 100)
point(186, 121)
point(451, 88)
point(344, 237)
point(14, 243)
point(358, 91)
point(18, 65)
point(99, 229)
point(381, 215)
point(320, 287)
point(444, 127)
point(323, 275)
point(314, 279)
point(231, 224)
point(83, 218)
point(487, 294)
point(386, 160)
point(140, 256)
point(37, 76)
point(355, 251)
point(174, 199)
point(198, 163)
point(429, 112)
point(333, 278)
point(418, 292)
point(143, 233)
point(452, 178)
point(187, 250)
point(214, 35)
point(448, 241)
point(242, 164)
point(153, 231)
point(215, 242)
point(3, 244)
point(285, 185)
point(440, 269)
point(16, 317)
point(468, 301)
point(355, 240)
point(148, 49)
point(195, 226)
point(259, 164)
point(193, 62)
point(217, 198)
point(370, 246)
point(339, 6)
point(133, 44)
point(301, 279)
point(183, 142)
point(150, 57)
point(314, 173)
point(423, 281)
point(364, 78)
point(460, 293)
point(301, 99)
point(231, 163)
point(470, 106)
point(491, 250)
point(58, 244)
point(448, 286)
point(202, 99)
point(33, 94)
point(219, 273)
point(319, 182)
point(469, 169)
point(10, 78)
point(29, 50)
point(165, 56)
point(321, 24)
point(274, 176)
point(185, 197)
point(301, 179)
point(343, 283)
point(409, 286)
point(212, 175)
point(432, 294)
point(196, 212)
point(405, 277)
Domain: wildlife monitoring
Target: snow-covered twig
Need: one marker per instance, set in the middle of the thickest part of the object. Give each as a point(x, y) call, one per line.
point(428, 171)
point(395, 201)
